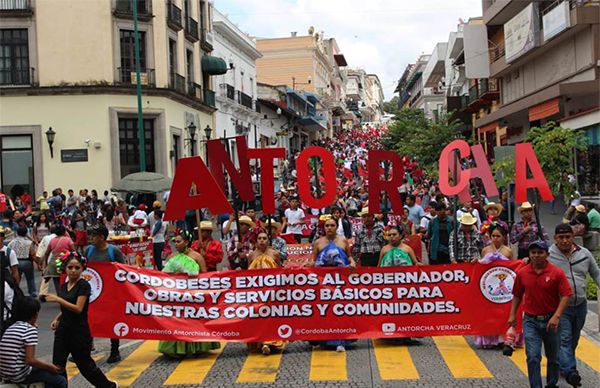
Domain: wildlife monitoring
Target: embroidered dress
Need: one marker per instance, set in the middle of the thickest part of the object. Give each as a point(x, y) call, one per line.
point(396, 257)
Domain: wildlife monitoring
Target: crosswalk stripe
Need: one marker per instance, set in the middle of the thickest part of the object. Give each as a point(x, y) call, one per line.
point(128, 370)
point(519, 358)
point(460, 358)
point(394, 362)
point(328, 365)
point(194, 370)
point(73, 371)
point(589, 353)
point(259, 368)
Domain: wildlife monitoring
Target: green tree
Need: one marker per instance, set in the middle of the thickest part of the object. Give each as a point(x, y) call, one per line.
point(553, 146)
point(391, 106)
point(421, 139)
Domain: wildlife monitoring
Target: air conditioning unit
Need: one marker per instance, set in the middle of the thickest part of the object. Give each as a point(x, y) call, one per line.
point(143, 78)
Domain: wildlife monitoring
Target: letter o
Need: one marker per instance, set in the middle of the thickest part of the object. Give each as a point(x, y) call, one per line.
point(304, 175)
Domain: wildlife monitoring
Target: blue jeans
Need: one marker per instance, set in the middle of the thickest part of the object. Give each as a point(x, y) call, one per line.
point(26, 267)
point(535, 334)
point(571, 323)
point(49, 379)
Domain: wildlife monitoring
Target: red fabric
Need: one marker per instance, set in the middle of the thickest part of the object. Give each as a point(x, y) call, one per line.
point(81, 237)
point(542, 291)
point(289, 238)
point(414, 241)
point(3, 202)
point(212, 251)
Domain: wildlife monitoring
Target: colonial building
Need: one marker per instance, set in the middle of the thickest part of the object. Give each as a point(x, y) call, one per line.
point(69, 66)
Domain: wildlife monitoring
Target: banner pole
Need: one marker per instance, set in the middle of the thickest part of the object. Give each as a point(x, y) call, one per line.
point(455, 207)
point(232, 193)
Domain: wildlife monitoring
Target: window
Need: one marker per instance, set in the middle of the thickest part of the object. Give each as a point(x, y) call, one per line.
point(172, 58)
point(14, 57)
point(127, 43)
point(16, 165)
point(190, 65)
point(129, 145)
point(176, 151)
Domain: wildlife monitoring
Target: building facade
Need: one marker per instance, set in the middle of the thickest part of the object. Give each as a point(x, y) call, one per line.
point(83, 85)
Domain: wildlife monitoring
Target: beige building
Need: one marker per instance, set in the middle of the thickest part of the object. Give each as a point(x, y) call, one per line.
point(69, 65)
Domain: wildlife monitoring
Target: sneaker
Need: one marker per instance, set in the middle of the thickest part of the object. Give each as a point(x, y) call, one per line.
point(266, 350)
point(114, 357)
point(574, 379)
point(340, 349)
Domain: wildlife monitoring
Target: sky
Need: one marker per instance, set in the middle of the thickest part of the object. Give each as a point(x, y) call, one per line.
point(380, 36)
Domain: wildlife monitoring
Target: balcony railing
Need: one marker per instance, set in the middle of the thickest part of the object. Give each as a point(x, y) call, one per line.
point(16, 7)
point(194, 90)
point(209, 98)
point(126, 75)
point(497, 52)
point(191, 29)
point(17, 76)
point(230, 92)
point(487, 85)
point(177, 82)
point(245, 100)
point(125, 8)
point(174, 16)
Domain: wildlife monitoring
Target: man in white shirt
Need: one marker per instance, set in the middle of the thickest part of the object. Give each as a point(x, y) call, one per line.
point(13, 262)
point(294, 219)
point(467, 207)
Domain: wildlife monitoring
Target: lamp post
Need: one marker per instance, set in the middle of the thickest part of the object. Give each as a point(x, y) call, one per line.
point(192, 131)
point(50, 134)
point(207, 134)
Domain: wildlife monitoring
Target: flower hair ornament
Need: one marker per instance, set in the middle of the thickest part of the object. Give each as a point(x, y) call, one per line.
point(183, 233)
point(64, 257)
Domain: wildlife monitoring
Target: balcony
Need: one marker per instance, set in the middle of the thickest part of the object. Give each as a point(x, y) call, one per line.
point(15, 8)
point(206, 41)
point(17, 76)
point(230, 92)
point(194, 90)
point(177, 82)
point(209, 98)
point(191, 30)
point(174, 17)
point(483, 93)
point(124, 9)
point(126, 76)
point(245, 100)
point(499, 12)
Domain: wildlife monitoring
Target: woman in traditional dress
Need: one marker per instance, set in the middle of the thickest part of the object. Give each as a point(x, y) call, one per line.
point(264, 257)
point(332, 250)
point(497, 250)
point(396, 253)
point(190, 263)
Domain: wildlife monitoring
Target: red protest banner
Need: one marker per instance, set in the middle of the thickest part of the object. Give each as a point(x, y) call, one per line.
point(298, 255)
point(300, 304)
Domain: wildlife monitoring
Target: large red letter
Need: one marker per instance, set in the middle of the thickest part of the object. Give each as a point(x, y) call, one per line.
point(303, 174)
point(267, 180)
point(219, 159)
point(193, 171)
point(446, 164)
point(390, 186)
point(525, 157)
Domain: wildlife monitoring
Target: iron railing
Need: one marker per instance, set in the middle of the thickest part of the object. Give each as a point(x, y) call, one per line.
point(230, 92)
point(126, 7)
point(487, 85)
point(194, 89)
point(17, 76)
point(177, 82)
point(126, 75)
point(174, 16)
point(497, 52)
point(191, 29)
point(15, 5)
point(209, 98)
point(245, 100)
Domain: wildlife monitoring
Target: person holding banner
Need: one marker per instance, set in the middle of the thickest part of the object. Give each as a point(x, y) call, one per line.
point(190, 263)
point(264, 257)
point(525, 231)
point(238, 251)
point(332, 250)
point(277, 242)
point(468, 239)
point(396, 253)
point(72, 330)
point(369, 240)
point(209, 248)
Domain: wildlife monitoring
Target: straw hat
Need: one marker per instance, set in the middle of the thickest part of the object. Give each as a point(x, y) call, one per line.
point(525, 206)
point(274, 224)
point(468, 219)
point(493, 205)
point(246, 220)
point(4, 230)
point(156, 205)
point(580, 208)
point(207, 225)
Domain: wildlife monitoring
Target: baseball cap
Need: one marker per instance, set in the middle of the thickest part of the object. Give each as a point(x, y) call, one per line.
point(540, 244)
point(563, 228)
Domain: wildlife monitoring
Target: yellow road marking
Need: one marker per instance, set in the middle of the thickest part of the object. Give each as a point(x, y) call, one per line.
point(461, 359)
point(589, 353)
point(128, 370)
point(72, 369)
point(328, 365)
point(394, 362)
point(519, 358)
point(259, 368)
point(194, 370)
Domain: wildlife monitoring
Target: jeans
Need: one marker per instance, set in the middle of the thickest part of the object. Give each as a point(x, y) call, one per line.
point(535, 334)
point(571, 323)
point(26, 267)
point(157, 249)
point(49, 379)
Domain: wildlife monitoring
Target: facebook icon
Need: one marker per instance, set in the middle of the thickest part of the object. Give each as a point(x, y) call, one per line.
point(121, 329)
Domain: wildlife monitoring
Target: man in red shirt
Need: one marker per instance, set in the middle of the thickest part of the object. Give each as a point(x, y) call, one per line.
point(547, 291)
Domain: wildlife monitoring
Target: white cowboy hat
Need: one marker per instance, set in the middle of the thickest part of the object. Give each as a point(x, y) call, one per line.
point(207, 225)
point(525, 206)
point(494, 205)
point(246, 220)
point(468, 219)
point(274, 224)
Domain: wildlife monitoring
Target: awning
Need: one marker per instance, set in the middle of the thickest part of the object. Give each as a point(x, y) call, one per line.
point(213, 65)
point(489, 128)
point(340, 60)
point(311, 123)
point(545, 109)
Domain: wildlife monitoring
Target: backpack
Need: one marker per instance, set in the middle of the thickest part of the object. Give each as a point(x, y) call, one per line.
point(111, 252)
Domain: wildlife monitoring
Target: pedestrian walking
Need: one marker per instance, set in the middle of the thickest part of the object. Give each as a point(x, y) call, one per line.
point(468, 239)
point(24, 249)
point(369, 240)
point(209, 248)
point(439, 230)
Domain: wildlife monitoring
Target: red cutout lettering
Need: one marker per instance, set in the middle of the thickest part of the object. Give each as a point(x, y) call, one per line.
point(525, 157)
point(376, 185)
point(304, 175)
point(219, 160)
point(267, 180)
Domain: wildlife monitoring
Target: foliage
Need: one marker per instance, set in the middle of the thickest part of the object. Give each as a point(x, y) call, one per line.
point(553, 146)
point(592, 289)
point(504, 171)
point(392, 106)
point(421, 139)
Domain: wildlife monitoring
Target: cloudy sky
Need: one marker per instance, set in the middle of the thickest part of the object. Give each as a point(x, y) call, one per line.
point(380, 36)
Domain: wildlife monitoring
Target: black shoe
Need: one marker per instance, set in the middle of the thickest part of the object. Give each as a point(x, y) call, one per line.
point(114, 357)
point(574, 379)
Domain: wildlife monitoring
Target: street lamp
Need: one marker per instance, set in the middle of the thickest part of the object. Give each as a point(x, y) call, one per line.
point(192, 131)
point(50, 134)
point(207, 132)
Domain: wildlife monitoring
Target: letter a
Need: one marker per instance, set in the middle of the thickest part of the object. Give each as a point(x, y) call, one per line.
point(525, 157)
